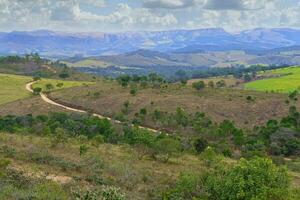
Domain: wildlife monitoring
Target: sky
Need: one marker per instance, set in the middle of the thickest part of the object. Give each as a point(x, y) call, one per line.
point(147, 15)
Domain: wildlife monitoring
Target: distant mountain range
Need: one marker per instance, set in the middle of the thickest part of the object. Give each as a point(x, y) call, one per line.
point(63, 44)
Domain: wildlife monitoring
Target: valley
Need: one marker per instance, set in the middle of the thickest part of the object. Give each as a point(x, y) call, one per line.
point(69, 135)
point(149, 100)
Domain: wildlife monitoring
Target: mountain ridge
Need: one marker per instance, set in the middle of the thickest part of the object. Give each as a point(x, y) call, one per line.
point(67, 44)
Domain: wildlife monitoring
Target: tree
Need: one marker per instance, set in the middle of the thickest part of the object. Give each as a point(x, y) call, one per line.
point(49, 87)
point(60, 137)
point(247, 77)
point(221, 83)
point(258, 178)
point(200, 145)
point(133, 91)
point(125, 107)
point(36, 78)
point(183, 81)
point(143, 111)
point(37, 90)
point(59, 85)
point(124, 80)
point(211, 84)
point(293, 95)
point(181, 117)
point(199, 85)
point(64, 75)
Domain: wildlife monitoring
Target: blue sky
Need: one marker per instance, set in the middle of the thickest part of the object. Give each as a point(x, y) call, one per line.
point(137, 15)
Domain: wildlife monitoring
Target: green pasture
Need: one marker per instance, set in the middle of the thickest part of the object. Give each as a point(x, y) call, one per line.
point(287, 80)
point(12, 88)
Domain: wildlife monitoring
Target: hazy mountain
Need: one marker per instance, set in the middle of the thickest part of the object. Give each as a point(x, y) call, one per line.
point(63, 44)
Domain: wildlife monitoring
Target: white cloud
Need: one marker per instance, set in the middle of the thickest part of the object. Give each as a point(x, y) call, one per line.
point(101, 15)
point(127, 17)
point(168, 4)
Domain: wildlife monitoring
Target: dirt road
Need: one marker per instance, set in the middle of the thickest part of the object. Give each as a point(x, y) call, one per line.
point(49, 101)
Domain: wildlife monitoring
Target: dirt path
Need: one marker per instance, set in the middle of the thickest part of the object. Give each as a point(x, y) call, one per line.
point(49, 101)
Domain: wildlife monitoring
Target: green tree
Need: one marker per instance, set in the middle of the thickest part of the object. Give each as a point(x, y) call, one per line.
point(200, 145)
point(49, 87)
point(125, 107)
point(133, 91)
point(199, 85)
point(59, 85)
point(64, 75)
point(37, 90)
point(36, 78)
point(247, 78)
point(221, 83)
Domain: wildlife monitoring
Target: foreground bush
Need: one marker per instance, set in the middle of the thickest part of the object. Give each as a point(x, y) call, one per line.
point(256, 179)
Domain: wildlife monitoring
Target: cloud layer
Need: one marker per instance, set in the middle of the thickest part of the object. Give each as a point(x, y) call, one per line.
point(131, 15)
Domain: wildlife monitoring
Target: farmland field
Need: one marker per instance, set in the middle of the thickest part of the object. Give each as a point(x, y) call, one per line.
point(287, 80)
point(12, 88)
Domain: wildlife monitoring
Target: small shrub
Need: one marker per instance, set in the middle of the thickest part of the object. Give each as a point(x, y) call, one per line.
point(112, 193)
point(83, 150)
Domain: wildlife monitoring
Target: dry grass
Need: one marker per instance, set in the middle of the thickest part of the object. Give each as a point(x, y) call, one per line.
point(32, 105)
point(107, 98)
point(117, 165)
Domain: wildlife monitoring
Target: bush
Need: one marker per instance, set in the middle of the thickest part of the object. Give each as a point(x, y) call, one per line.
point(258, 178)
point(187, 187)
point(166, 148)
point(97, 140)
point(112, 193)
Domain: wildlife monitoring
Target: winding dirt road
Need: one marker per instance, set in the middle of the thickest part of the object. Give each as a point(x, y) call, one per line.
point(49, 101)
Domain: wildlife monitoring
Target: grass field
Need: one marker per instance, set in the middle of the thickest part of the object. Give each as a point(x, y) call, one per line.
point(12, 88)
point(287, 80)
point(55, 83)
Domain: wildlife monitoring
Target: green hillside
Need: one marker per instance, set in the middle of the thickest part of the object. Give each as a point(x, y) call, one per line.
point(281, 80)
point(13, 88)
